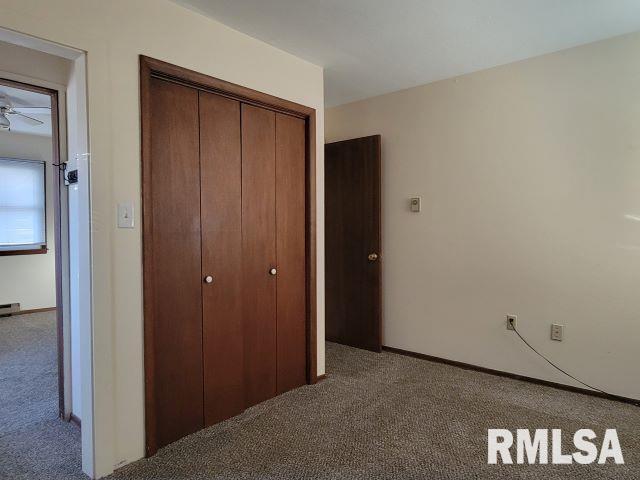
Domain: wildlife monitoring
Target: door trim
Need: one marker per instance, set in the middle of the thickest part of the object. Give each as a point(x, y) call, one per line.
point(152, 68)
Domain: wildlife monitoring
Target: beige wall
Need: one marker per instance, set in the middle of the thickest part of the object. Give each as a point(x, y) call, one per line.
point(530, 181)
point(114, 33)
point(30, 279)
point(33, 64)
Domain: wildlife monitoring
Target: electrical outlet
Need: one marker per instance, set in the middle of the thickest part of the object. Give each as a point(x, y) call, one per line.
point(557, 332)
point(512, 322)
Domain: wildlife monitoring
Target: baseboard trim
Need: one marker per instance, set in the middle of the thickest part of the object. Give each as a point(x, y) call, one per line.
point(34, 310)
point(499, 373)
point(319, 378)
point(75, 420)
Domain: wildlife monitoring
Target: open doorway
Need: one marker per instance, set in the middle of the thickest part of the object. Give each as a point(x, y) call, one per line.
point(31, 330)
point(45, 287)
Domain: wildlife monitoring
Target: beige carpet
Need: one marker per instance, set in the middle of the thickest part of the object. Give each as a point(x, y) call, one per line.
point(384, 416)
point(377, 416)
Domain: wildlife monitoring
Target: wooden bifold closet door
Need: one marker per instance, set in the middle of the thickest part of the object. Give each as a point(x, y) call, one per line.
point(227, 252)
point(176, 261)
point(221, 216)
point(290, 248)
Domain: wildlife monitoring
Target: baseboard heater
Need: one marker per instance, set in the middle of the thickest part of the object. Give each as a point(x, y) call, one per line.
point(9, 309)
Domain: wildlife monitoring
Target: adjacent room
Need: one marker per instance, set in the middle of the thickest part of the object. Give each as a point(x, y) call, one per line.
point(29, 362)
point(355, 239)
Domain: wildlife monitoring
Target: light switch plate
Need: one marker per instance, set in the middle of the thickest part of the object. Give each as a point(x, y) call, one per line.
point(125, 215)
point(415, 203)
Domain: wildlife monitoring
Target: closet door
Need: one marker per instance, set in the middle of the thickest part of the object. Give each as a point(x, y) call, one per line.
point(222, 293)
point(259, 252)
point(290, 222)
point(174, 248)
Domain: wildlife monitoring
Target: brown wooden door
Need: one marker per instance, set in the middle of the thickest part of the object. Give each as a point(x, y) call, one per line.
point(290, 222)
point(352, 225)
point(259, 252)
point(222, 293)
point(173, 217)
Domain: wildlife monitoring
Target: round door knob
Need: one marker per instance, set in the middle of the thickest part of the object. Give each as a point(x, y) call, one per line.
point(373, 257)
point(208, 279)
point(272, 271)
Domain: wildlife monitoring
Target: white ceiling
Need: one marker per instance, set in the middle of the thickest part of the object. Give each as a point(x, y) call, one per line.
point(25, 98)
point(371, 47)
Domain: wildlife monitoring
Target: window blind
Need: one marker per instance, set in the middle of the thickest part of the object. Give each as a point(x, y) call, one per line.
point(22, 204)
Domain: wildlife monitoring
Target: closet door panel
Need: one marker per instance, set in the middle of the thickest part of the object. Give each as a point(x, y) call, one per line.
point(175, 282)
point(259, 252)
point(290, 221)
point(221, 183)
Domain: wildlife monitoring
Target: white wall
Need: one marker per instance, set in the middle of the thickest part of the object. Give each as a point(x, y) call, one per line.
point(30, 279)
point(530, 181)
point(113, 34)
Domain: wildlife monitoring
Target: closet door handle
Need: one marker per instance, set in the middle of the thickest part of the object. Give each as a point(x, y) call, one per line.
point(272, 271)
point(208, 279)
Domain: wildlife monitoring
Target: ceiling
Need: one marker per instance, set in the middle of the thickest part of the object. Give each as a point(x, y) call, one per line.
point(371, 47)
point(25, 98)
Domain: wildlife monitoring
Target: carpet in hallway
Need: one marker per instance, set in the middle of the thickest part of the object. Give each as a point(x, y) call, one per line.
point(34, 442)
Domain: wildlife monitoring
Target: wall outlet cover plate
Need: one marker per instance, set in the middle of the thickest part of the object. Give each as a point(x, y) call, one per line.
point(557, 332)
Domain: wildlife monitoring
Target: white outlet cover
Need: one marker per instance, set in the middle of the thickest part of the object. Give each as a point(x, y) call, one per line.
point(557, 332)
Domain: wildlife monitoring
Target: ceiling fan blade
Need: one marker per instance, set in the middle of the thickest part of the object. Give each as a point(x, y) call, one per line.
point(33, 110)
point(27, 118)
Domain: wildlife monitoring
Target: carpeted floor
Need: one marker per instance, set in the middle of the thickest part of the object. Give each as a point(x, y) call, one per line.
point(383, 416)
point(377, 416)
point(34, 442)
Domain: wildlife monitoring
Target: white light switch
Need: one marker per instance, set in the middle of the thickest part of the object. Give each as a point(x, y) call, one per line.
point(415, 204)
point(125, 215)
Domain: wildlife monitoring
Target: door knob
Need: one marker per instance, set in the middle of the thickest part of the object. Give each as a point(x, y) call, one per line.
point(373, 257)
point(273, 271)
point(208, 279)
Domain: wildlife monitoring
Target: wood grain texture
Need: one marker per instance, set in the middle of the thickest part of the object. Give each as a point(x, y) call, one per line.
point(311, 253)
point(32, 251)
point(221, 213)
point(246, 95)
point(352, 226)
point(56, 184)
point(175, 277)
point(290, 227)
point(259, 252)
point(33, 310)
point(150, 417)
point(152, 70)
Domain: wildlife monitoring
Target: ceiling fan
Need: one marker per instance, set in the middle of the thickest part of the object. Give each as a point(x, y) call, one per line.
point(7, 109)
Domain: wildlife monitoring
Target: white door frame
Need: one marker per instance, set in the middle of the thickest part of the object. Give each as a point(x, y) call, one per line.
point(74, 145)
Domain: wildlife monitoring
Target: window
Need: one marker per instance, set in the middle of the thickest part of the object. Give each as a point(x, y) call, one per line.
point(22, 206)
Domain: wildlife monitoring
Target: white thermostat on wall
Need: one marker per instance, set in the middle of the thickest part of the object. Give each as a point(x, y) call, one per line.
point(415, 203)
